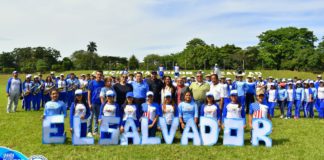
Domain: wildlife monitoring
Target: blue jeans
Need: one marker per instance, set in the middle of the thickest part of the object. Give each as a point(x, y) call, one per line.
point(95, 110)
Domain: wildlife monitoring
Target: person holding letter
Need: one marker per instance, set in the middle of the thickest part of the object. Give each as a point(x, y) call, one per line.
point(187, 109)
point(151, 111)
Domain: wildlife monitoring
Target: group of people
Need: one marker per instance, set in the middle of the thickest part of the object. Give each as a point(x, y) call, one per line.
point(133, 96)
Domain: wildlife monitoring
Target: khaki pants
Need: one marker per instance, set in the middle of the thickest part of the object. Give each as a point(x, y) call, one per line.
point(13, 98)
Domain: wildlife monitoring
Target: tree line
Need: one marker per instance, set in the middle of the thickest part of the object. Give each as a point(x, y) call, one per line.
point(287, 48)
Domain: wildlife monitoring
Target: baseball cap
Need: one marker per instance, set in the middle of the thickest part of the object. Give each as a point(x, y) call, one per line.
point(78, 92)
point(110, 93)
point(149, 93)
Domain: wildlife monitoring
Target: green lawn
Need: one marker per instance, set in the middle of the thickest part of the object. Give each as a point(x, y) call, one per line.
point(302, 139)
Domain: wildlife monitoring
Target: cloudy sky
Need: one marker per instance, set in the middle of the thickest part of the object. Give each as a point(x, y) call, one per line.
point(141, 27)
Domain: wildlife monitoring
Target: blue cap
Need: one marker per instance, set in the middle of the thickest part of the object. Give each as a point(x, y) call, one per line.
point(130, 94)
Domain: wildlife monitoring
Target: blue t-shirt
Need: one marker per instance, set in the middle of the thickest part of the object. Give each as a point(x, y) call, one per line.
point(55, 108)
point(140, 89)
point(95, 88)
point(188, 110)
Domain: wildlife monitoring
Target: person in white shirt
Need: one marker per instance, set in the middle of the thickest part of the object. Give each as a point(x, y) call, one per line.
point(14, 90)
point(320, 96)
point(215, 88)
point(234, 108)
point(217, 71)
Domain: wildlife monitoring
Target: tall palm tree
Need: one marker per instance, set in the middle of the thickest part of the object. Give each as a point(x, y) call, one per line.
point(92, 47)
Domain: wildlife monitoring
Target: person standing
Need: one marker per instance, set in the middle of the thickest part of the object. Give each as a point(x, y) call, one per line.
point(140, 88)
point(155, 85)
point(217, 71)
point(250, 92)
point(181, 89)
point(121, 89)
point(167, 88)
point(161, 71)
point(37, 94)
point(94, 102)
point(176, 71)
point(282, 98)
point(199, 90)
point(61, 86)
point(320, 93)
point(72, 85)
point(28, 91)
point(14, 90)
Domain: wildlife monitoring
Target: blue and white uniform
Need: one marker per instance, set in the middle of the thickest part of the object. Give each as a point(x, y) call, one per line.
point(291, 94)
point(176, 71)
point(150, 111)
point(320, 96)
point(37, 95)
point(70, 93)
point(161, 71)
point(14, 90)
point(298, 100)
point(79, 110)
point(272, 100)
point(109, 110)
point(28, 92)
point(188, 111)
point(61, 84)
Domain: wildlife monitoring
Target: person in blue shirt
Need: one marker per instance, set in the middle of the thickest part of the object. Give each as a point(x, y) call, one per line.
point(300, 93)
point(308, 101)
point(291, 94)
point(109, 109)
point(14, 90)
point(161, 71)
point(241, 87)
point(187, 109)
point(80, 108)
point(28, 92)
point(211, 109)
point(250, 92)
point(94, 102)
point(152, 111)
point(282, 97)
point(140, 88)
point(72, 84)
point(108, 86)
point(37, 94)
point(314, 90)
point(55, 107)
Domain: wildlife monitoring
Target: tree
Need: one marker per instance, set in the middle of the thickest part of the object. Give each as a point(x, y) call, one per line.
point(41, 66)
point(7, 60)
point(82, 60)
point(133, 62)
point(278, 47)
point(67, 63)
point(92, 47)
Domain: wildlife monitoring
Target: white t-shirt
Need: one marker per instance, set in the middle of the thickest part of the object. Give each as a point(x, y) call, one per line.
point(129, 112)
point(80, 110)
point(15, 86)
point(176, 69)
point(233, 111)
point(216, 90)
point(168, 114)
point(109, 110)
point(290, 95)
point(272, 96)
point(210, 111)
point(320, 93)
point(61, 84)
point(223, 90)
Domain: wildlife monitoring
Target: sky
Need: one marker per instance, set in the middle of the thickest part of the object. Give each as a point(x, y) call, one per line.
point(141, 27)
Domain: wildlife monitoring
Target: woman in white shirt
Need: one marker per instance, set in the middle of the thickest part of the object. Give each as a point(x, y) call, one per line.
point(233, 109)
point(169, 109)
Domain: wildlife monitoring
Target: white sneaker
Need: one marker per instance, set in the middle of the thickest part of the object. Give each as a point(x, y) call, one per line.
point(286, 117)
point(281, 116)
point(89, 134)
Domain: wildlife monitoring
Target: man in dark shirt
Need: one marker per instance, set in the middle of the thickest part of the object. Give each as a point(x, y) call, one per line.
point(155, 85)
point(121, 89)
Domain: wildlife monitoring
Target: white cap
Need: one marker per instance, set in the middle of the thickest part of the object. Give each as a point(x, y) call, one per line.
point(227, 79)
point(311, 81)
point(52, 72)
point(319, 76)
point(321, 81)
point(28, 76)
point(82, 74)
point(233, 93)
point(270, 77)
point(36, 76)
point(283, 80)
point(209, 94)
point(298, 82)
point(249, 76)
point(61, 74)
point(166, 94)
point(260, 75)
point(110, 93)
point(149, 93)
point(78, 92)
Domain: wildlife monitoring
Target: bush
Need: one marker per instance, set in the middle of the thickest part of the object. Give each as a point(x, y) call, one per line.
point(57, 67)
point(8, 70)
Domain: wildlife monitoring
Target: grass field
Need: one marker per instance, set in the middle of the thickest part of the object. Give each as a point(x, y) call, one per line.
point(302, 139)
